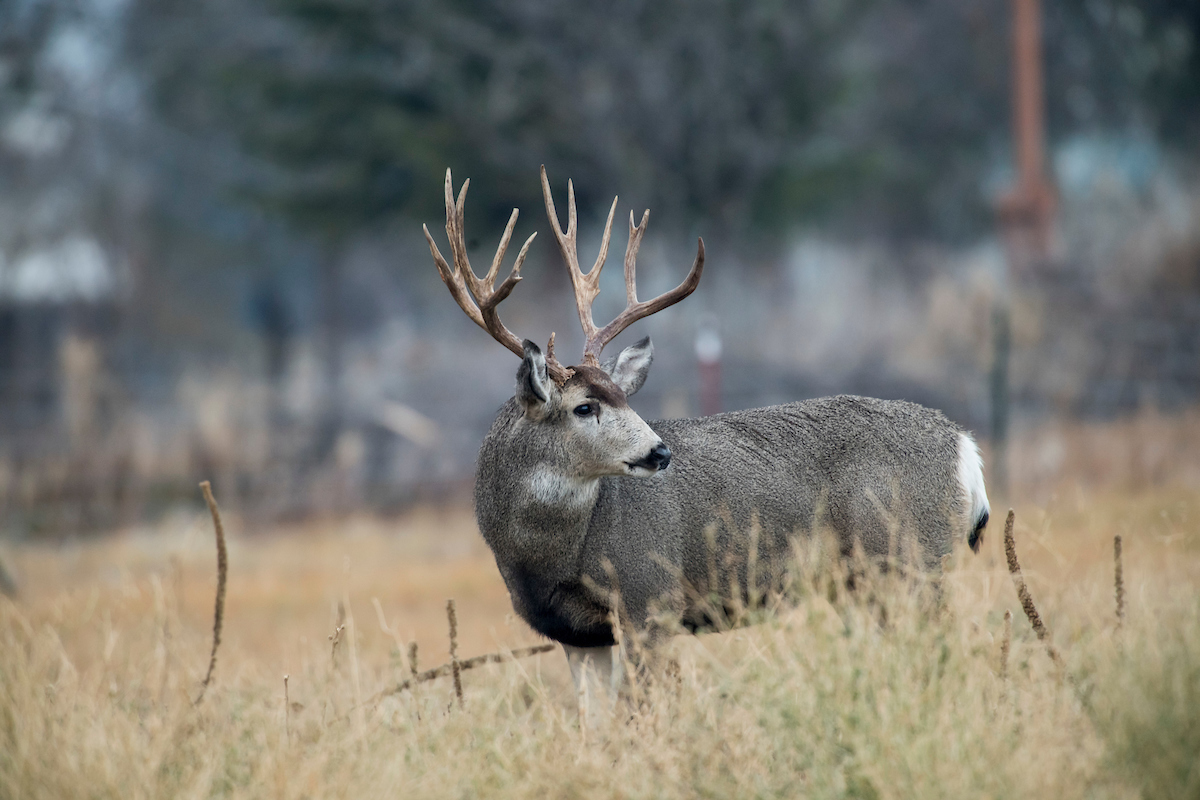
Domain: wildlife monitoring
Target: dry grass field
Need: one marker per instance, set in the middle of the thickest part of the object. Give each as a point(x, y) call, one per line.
point(103, 652)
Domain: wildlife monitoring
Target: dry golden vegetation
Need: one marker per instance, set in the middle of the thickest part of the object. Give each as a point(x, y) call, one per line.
point(103, 653)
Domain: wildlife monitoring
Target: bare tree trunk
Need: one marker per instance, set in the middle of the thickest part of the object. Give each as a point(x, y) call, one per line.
point(329, 426)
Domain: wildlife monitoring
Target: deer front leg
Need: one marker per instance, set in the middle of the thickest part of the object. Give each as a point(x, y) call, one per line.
point(597, 673)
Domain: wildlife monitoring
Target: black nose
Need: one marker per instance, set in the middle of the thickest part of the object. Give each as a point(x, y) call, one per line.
point(660, 457)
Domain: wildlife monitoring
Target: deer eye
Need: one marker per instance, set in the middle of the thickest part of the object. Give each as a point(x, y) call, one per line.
point(584, 410)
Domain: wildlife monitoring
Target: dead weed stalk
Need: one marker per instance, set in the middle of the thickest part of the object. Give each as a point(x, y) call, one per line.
point(1031, 612)
point(455, 669)
point(222, 571)
point(1119, 580)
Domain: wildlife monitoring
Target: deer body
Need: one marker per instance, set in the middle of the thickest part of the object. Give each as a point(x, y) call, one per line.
point(582, 501)
point(892, 477)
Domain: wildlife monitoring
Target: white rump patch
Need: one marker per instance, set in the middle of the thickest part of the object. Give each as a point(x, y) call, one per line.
point(970, 476)
point(549, 488)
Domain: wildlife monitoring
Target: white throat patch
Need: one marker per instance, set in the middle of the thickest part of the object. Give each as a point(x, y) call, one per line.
point(549, 488)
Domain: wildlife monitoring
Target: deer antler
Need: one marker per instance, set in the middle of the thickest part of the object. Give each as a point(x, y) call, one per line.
point(478, 297)
point(587, 285)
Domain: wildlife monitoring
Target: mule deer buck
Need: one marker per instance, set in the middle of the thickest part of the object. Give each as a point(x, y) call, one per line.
point(580, 498)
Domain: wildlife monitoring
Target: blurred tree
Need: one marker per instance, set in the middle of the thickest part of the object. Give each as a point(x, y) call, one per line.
point(24, 31)
point(743, 118)
point(691, 108)
point(1129, 65)
point(65, 128)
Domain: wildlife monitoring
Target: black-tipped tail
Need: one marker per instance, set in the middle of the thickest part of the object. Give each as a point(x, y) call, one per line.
point(976, 537)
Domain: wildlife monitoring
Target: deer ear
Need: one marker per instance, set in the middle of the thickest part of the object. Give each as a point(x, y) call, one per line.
point(631, 366)
point(534, 387)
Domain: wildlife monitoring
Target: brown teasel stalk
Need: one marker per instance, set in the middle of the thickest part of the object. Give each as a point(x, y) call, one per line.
point(222, 570)
point(1119, 580)
point(1031, 612)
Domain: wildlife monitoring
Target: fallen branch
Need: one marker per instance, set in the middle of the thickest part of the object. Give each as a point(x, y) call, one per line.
point(446, 670)
point(222, 569)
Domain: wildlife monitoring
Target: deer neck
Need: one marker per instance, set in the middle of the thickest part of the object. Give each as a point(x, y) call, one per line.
point(531, 513)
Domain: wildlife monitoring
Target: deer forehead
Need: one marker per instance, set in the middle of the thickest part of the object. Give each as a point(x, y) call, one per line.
point(591, 383)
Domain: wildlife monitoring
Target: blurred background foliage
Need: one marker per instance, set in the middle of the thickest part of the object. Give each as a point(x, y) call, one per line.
point(744, 118)
point(211, 262)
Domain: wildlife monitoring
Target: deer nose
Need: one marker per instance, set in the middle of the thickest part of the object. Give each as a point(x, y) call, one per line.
point(660, 457)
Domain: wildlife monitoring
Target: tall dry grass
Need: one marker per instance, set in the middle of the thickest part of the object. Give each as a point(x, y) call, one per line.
point(886, 692)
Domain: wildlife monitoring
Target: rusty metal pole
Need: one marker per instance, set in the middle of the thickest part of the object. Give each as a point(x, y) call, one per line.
point(1028, 105)
point(1025, 213)
point(708, 359)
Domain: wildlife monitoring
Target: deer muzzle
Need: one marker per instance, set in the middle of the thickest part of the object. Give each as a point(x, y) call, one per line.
point(658, 459)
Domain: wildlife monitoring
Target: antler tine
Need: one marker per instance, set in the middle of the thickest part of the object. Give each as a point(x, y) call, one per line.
point(453, 281)
point(454, 226)
point(480, 297)
point(504, 240)
point(594, 274)
point(631, 250)
point(635, 310)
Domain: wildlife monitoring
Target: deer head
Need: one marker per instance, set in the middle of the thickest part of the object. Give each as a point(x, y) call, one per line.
point(588, 404)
